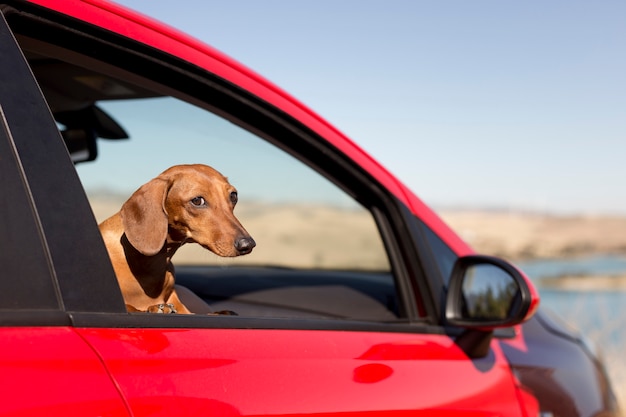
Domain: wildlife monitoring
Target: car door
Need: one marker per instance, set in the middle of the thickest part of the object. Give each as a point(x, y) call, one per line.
point(351, 353)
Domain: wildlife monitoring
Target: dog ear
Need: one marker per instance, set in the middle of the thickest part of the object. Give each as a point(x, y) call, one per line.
point(144, 217)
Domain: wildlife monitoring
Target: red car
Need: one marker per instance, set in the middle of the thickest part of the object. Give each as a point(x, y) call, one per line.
point(357, 301)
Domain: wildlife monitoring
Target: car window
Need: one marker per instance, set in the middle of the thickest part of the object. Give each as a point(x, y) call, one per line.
point(319, 252)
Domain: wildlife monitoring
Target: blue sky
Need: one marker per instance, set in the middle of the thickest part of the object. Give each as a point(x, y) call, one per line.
point(508, 104)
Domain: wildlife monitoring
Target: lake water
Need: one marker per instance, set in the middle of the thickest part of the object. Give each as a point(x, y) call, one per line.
point(599, 314)
point(596, 265)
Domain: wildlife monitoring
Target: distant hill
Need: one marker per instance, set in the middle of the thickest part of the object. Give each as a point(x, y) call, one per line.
point(526, 235)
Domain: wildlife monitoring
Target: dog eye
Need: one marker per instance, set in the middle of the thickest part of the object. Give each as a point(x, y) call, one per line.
point(198, 201)
point(233, 197)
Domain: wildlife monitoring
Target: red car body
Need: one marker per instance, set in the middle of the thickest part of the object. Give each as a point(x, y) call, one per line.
point(86, 368)
point(141, 372)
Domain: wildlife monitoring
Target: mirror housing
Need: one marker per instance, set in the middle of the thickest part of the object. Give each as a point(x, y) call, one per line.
point(486, 293)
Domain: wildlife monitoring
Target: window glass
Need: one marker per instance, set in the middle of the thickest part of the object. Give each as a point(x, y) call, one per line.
point(443, 255)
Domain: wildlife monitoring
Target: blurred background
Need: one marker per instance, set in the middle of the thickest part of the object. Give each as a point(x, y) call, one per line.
point(508, 118)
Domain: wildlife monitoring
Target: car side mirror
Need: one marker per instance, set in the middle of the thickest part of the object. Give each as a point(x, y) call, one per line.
point(486, 293)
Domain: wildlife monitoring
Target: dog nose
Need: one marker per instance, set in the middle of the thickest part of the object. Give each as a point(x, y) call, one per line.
point(244, 245)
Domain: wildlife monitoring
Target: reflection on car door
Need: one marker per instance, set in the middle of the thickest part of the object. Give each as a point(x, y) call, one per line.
point(296, 372)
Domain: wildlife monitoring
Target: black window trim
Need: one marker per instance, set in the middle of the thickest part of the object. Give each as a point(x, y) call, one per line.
point(63, 216)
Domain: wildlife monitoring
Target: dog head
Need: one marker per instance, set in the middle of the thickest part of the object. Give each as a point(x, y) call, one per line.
point(186, 203)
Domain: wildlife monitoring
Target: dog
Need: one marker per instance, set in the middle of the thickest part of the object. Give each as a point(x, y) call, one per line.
point(184, 204)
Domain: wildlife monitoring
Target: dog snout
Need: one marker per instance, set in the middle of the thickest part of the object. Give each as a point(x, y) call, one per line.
point(244, 245)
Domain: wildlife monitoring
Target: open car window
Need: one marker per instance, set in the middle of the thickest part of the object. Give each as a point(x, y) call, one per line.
point(319, 252)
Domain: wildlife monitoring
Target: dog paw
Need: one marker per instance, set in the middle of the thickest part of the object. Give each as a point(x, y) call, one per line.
point(224, 313)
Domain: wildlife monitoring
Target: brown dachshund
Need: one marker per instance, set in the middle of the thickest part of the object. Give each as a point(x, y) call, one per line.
point(186, 203)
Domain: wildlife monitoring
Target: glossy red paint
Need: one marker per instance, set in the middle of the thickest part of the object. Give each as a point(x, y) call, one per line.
point(535, 299)
point(136, 26)
point(279, 372)
point(51, 371)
